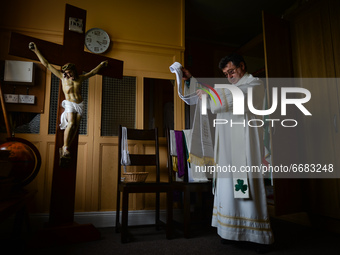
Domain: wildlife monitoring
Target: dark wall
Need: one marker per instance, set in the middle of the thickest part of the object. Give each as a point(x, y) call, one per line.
point(202, 58)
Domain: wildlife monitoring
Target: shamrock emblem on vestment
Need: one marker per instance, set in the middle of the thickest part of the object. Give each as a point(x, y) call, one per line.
point(241, 186)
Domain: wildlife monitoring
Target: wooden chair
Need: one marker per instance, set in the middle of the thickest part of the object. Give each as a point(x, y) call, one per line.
point(141, 187)
point(187, 188)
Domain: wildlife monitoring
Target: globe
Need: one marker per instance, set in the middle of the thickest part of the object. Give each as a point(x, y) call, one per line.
point(24, 158)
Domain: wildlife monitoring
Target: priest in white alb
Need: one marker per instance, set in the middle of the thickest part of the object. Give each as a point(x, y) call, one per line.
point(235, 217)
point(240, 206)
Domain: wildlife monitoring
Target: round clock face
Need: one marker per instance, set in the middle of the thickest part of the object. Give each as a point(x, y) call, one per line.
point(97, 40)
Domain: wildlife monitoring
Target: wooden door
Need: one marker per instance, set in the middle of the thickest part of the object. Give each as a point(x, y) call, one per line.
point(278, 62)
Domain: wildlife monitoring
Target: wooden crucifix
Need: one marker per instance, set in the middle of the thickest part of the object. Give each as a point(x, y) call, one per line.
point(72, 51)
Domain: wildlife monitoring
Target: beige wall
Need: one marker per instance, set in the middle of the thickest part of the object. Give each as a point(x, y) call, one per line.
point(147, 35)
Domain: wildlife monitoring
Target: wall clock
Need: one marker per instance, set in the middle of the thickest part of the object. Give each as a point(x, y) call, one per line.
point(97, 40)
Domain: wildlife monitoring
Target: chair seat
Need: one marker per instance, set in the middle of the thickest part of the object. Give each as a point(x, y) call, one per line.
point(203, 183)
point(195, 186)
point(141, 187)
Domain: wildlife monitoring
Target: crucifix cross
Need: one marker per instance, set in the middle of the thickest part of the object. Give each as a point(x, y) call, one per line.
point(72, 51)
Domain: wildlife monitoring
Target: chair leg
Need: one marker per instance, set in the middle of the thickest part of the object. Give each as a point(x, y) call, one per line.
point(125, 210)
point(118, 211)
point(187, 217)
point(157, 221)
point(199, 199)
point(169, 214)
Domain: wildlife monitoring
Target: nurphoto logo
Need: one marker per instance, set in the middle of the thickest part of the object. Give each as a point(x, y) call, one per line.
point(238, 105)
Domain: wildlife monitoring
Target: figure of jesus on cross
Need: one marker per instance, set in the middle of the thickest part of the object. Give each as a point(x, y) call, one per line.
point(73, 103)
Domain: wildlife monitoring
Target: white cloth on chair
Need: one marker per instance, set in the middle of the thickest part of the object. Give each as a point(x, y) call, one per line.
point(173, 150)
point(201, 146)
point(194, 175)
point(125, 160)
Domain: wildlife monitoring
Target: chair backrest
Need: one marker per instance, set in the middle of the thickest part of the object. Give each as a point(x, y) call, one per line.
point(140, 159)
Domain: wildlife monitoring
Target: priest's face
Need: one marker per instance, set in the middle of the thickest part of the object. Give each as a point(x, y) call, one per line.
point(233, 73)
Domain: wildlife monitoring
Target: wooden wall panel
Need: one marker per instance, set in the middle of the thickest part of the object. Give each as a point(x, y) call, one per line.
point(108, 177)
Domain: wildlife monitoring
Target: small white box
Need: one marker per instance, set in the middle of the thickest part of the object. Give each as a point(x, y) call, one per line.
point(11, 98)
point(19, 72)
point(26, 99)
